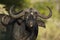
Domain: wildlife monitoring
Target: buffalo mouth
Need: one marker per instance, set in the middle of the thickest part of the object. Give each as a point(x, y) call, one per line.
point(31, 24)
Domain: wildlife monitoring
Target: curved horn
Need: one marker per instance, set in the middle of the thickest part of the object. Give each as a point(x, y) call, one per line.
point(5, 19)
point(45, 17)
point(19, 14)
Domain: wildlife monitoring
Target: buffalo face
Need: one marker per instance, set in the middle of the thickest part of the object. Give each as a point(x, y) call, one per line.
point(31, 17)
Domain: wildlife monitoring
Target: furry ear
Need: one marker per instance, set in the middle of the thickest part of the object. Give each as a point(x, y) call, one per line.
point(41, 23)
point(5, 19)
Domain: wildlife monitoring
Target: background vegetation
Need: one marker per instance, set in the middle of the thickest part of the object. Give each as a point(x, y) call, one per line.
point(52, 30)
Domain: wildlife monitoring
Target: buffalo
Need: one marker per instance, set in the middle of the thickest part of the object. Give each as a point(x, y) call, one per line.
point(2, 28)
point(23, 25)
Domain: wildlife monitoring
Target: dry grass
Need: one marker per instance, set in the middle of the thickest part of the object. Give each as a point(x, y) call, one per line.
point(51, 32)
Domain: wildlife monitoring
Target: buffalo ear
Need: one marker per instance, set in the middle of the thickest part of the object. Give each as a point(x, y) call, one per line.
point(41, 23)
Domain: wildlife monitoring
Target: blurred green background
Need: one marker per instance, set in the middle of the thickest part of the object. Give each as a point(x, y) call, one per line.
point(52, 30)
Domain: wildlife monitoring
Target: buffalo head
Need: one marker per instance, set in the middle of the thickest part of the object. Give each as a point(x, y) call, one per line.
point(31, 17)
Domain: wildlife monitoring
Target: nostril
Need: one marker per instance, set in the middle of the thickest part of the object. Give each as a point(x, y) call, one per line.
point(26, 12)
point(35, 12)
